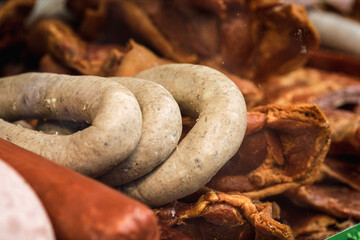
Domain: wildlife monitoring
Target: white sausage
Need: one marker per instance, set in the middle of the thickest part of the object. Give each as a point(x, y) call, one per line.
point(112, 110)
point(160, 134)
point(336, 31)
point(220, 107)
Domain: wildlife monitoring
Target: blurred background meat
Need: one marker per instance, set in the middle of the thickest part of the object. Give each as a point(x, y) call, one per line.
point(249, 38)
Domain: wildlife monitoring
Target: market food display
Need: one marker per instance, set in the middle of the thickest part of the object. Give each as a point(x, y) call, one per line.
point(206, 119)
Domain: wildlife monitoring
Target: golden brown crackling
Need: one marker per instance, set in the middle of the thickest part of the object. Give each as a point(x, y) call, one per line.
point(297, 120)
point(336, 94)
point(284, 147)
point(223, 210)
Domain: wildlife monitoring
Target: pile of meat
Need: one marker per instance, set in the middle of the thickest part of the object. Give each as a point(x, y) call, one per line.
point(297, 172)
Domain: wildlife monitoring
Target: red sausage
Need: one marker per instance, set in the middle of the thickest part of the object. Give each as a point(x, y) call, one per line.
point(18, 204)
point(80, 207)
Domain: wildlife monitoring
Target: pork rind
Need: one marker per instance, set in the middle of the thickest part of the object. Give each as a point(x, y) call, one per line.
point(344, 170)
point(284, 147)
point(336, 200)
point(252, 39)
point(337, 95)
point(310, 224)
point(217, 215)
point(336, 193)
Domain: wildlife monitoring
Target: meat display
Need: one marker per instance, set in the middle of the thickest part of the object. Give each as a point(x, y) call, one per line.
point(183, 119)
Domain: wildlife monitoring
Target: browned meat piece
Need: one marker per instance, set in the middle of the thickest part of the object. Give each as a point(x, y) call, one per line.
point(223, 216)
point(308, 85)
point(336, 200)
point(252, 39)
point(13, 57)
point(283, 147)
point(345, 128)
point(310, 224)
point(344, 170)
point(103, 19)
point(273, 40)
point(135, 59)
point(335, 62)
point(332, 201)
point(167, 233)
point(65, 47)
point(338, 96)
point(138, 58)
point(13, 14)
point(65, 52)
point(57, 38)
point(216, 6)
point(49, 64)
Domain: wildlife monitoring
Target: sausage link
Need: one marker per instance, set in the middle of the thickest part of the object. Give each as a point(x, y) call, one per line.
point(80, 207)
point(22, 214)
point(161, 130)
point(217, 135)
point(112, 110)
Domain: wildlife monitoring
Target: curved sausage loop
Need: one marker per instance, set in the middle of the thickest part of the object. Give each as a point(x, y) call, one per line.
point(112, 110)
point(161, 130)
point(220, 107)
